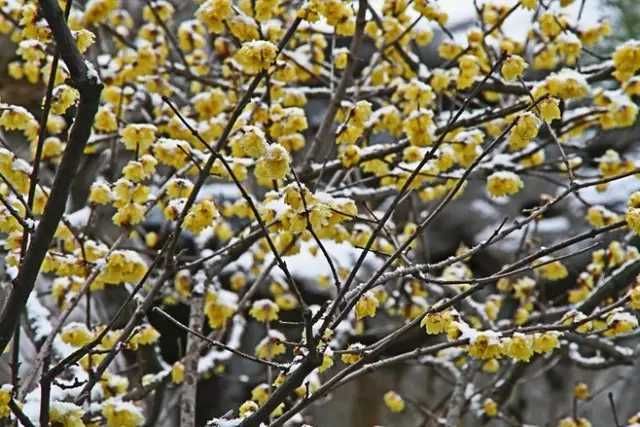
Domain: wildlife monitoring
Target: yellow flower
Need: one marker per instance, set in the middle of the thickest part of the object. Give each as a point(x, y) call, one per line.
point(419, 127)
point(129, 214)
point(634, 200)
point(105, 120)
point(635, 419)
point(212, 13)
point(256, 56)
point(126, 192)
point(177, 373)
point(123, 266)
point(250, 141)
point(634, 297)
point(529, 4)
point(550, 24)
point(114, 385)
point(327, 360)
point(491, 366)
point(5, 398)
point(439, 80)
point(423, 36)
point(492, 306)
point(361, 113)
point(238, 281)
point(56, 124)
point(394, 401)
point(503, 183)
point(271, 346)
point(260, 393)
point(577, 319)
point(76, 334)
point(220, 305)
point(339, 15)
point(536, 158)
point(620, 322)
point(138, 137)
point(84, 39)
point(200, 216)
point(134, 171)
point(264, 310)
point(519, 347)
point(209, 104)
point(436, 322)
point(262, 10)
point(53, 147)
point(310, 11)
point(490, 408)
point(632, 216)
point(242, 28)
point(552, 270)
point(16, 118)
point(349, 134)
point(119, 413)
point(143, 335)
point(162, 8)
point(287, 121)
point(172, 152)
point(469, 69)
point(340, 58)
point(626, 60)
point(247, 408)
point(596, 32)
point(100, 193)
point(570, 46)
point(97, 11)
point(66, 414)
point(179, 188)
point(412, 95)
point(63, 97)
point(351, 358)
point(182, 283)
point(574, 422)
point(274, 165)
point(544, 342)
point(431, 11)
point(292, 142)
point(599, 216)
point(566, 84)
point(581, 391)
point(366, 305)
point(485, 345)
point(524, 131)
point(549, 109)
point(513, 67)
point(151, 239)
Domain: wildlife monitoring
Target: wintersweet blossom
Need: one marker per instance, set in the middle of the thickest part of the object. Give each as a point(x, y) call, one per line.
point(503, 183)
point(394, 401)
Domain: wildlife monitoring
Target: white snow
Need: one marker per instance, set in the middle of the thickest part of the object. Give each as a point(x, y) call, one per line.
point(221, 422)
point(12, 272)
point(80, 218)
point(22, 166)
point(38, 316)
point(92, 74)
